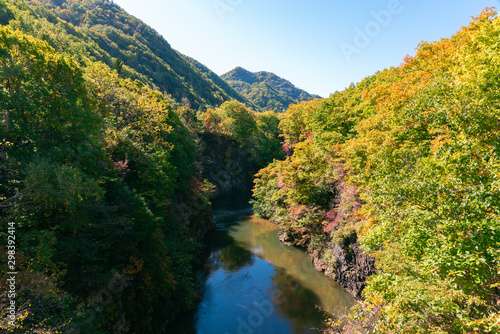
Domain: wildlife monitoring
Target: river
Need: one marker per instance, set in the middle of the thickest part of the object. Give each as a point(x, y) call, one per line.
point(254, 284)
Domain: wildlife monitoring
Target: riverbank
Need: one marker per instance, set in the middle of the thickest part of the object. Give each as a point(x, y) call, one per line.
point(345, 263)
point(253, 282)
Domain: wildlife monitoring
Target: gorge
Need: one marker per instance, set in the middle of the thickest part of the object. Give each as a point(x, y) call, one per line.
point(126, 167)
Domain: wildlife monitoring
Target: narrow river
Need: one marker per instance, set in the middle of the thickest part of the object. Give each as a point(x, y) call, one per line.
point(255, 284)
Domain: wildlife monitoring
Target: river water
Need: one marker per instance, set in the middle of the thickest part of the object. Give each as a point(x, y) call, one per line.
point(254, 284)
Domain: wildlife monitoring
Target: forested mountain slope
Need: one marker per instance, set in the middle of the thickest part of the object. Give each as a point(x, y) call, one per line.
point(111, 35)
point(221, 83)
point(266, 90)
point(392, 186)
point(103, 199)
point(404, 167)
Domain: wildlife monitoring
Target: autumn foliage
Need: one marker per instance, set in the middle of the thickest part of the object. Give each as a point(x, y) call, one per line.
point(93, 170)
point(409, 158)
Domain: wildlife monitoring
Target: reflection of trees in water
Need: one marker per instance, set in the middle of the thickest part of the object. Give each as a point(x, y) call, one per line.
point(296, 302)
point(225, 253)
point(233, 257)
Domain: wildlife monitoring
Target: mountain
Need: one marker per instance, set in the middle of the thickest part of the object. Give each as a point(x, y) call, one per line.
point(104, 174)
point(221, 83)
point(105, 32)
point(266, 90)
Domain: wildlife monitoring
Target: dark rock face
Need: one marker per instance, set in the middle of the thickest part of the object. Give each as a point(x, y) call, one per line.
point(353, 267)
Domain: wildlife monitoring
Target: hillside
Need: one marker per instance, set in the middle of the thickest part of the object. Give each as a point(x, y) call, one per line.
point(392, 186)
point(113, 146)
point(266, 90)
point(109, 34)
point(104, 197)
point(221, 83)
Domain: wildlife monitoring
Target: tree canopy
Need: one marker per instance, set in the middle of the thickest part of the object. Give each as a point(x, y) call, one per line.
point(406, 162)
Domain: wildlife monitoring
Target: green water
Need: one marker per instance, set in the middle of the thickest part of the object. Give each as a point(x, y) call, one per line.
point(255, 284)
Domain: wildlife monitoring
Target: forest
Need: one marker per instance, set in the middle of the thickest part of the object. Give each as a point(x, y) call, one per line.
point(109, 165)
point(265, 90)
point(102, 182)
point(404, 165)
point(101, 31)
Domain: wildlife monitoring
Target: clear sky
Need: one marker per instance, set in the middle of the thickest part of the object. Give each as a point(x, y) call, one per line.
point(319, 45)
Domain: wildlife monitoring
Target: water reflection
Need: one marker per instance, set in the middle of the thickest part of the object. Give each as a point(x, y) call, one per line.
point(231, 258)
point(254, 284)
point(290, 301)
point(261, 238)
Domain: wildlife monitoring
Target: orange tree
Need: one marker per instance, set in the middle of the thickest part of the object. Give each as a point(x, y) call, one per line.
point(418, 146)
point(428, 165)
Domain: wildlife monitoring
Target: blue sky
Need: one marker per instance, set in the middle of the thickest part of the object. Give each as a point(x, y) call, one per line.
point(319, 45)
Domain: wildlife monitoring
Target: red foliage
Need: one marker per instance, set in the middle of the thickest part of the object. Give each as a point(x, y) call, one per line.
point(330, 227)
point(122, 166)
point(331, 215)
point(406, 60)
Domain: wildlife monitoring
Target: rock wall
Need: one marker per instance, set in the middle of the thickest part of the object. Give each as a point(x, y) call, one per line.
point(352, 267)
point(345, 263)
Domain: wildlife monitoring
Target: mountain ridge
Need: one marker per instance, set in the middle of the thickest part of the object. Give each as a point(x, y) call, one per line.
point(113, 36)
point(265, 89)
